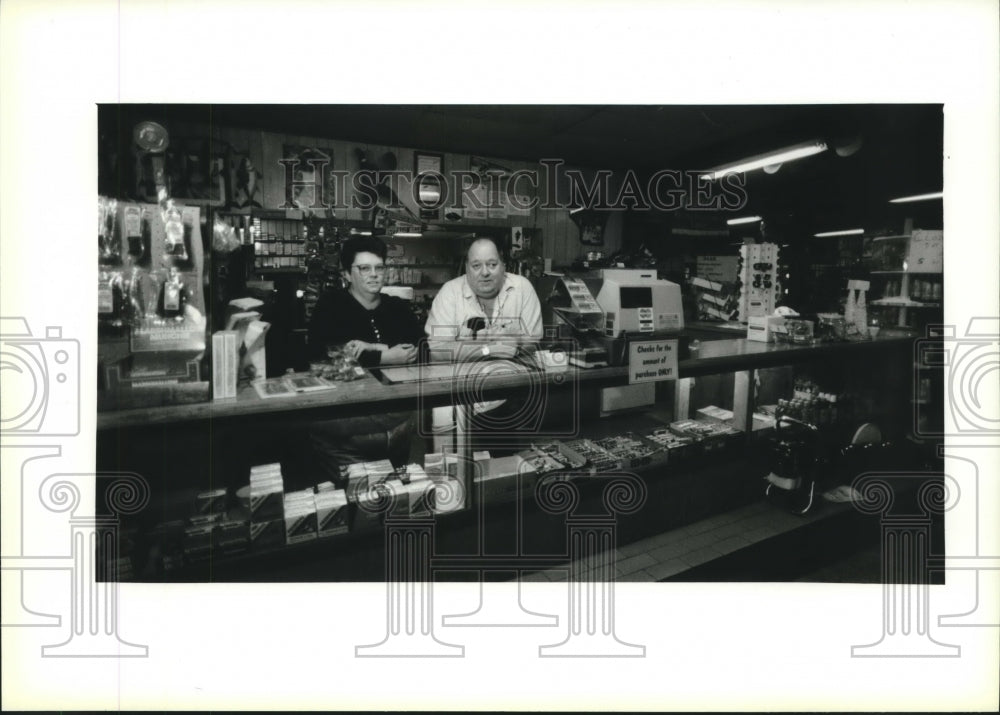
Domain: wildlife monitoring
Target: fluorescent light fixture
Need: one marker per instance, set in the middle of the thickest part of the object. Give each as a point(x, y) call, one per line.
point(917, 197)
point(845, 232)
point(402, 234)
point(791, 153)
point(743, 219)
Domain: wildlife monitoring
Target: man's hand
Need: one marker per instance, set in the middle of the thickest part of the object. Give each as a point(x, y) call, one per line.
point(399, 354)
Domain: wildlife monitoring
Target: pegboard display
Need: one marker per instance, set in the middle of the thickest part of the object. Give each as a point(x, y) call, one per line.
point(152, 319)
point(760, 288)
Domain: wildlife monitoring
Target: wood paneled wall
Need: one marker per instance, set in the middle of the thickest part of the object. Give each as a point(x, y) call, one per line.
point(560, 236)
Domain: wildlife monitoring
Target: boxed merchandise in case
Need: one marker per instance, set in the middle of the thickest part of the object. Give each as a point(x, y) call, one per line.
point(210, 502)
point(597, 458)
point(300, 518)
point(266, 500)
point(267, 533)
point(633, 452)
point(331, 512)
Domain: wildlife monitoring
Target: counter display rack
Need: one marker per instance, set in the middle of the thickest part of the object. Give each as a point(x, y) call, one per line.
point(685, 478)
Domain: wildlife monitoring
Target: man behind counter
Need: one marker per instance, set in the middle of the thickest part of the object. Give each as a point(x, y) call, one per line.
point(470, 312)
point(485, 313)
point(377, 330)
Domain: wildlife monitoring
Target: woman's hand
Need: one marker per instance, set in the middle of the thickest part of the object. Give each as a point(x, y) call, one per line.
point(399, 354)
point(354, 348)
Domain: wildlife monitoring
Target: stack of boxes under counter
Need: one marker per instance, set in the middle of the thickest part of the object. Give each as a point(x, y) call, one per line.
point(263, 516)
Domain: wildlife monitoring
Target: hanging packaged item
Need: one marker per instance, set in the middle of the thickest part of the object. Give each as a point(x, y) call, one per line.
point(108, 241)
point(173, 228)
point(172, 296)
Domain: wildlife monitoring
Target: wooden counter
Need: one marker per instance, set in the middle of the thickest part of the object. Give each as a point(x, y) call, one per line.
point(370, 396)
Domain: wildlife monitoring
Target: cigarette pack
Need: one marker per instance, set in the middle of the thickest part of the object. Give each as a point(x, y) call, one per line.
point(205, 519)
point(266, 501)
point(399, 496)
point(421, 497)
point(331, 512)
point(300, 520)
point(210, 502)
point(267, 533)
point(264, 472)
point(233, 536)
point(225, 363)
point(198, 541)
point(371, 505)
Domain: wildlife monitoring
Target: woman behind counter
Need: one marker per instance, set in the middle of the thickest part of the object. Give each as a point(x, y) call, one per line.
point(376, 330)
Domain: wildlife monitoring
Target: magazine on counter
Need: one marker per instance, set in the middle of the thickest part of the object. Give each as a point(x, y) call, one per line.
point(289, 385)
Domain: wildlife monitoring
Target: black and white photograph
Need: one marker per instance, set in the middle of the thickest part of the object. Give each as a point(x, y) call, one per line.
point(653, 392)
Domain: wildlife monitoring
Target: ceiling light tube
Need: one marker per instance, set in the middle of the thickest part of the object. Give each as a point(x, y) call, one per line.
point(791, 153)
point(403, 234)
point(845, 232)
point(743, 219)
point(917, 197)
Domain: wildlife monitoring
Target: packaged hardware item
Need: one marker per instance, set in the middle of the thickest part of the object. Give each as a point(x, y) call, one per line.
point(633, 452)
point(109, 248)
point(173, 230)
point(678, 448)
point(598, 458)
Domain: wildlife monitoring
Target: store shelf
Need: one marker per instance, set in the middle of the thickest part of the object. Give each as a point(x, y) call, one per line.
point(264, 271)
point(420, 265)
point(911, 273)
point(893, 303)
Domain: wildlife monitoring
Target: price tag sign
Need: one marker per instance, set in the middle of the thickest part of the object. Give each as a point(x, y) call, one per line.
point(652, 361)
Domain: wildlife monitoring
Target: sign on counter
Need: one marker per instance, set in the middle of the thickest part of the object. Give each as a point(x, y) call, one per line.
point(652, 361)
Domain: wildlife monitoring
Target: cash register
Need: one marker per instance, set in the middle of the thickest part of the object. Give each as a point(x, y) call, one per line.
point(604, 310)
